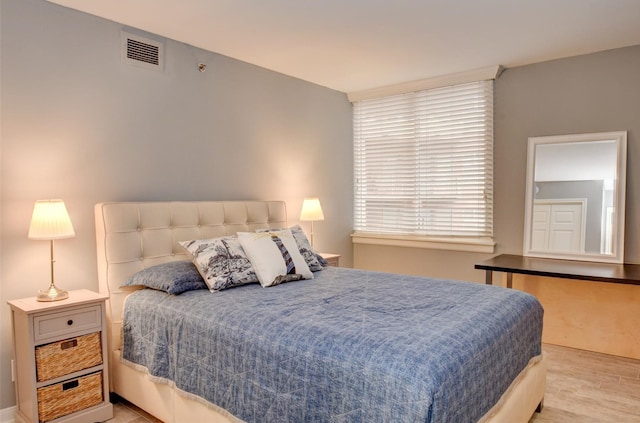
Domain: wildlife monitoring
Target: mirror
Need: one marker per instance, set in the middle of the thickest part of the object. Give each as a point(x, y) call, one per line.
point(575, 197)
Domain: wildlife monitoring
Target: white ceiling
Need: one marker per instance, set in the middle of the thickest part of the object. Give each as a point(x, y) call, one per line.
point(352, 45)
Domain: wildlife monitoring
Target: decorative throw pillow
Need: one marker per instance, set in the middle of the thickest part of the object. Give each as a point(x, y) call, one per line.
point(221, 262)
point(310, 257)
point(174, 277)
point(274, 256)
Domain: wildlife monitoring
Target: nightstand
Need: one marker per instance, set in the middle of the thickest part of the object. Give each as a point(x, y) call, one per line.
point(60, 353)
point(332, 259)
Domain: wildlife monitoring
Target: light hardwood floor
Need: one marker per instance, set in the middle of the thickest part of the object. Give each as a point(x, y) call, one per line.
point(590, 387)
point(582, 387)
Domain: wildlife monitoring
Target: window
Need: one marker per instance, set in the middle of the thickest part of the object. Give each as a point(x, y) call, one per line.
point(423, 163)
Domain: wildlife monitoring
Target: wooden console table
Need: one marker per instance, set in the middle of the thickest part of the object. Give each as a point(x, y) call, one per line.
point(566, 269)
point(587, 305)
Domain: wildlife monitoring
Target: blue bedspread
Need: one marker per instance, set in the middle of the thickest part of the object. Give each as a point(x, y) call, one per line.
point(347, 346)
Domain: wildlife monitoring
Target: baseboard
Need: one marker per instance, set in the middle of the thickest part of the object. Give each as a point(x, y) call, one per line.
point(8, 415)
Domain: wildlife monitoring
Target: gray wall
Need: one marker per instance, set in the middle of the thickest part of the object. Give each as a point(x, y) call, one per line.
point(78, 124)
point(592, 93)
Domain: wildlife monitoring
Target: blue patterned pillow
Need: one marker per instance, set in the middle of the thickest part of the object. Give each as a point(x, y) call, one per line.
point(174, 277)
point(221, 261)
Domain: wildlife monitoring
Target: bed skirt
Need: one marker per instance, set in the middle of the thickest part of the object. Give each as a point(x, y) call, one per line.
point(163, 400)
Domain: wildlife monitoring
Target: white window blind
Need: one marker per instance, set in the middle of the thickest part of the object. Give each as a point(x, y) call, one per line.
point(423, 162)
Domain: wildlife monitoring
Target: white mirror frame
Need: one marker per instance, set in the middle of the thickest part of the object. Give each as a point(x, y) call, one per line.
point(617, 254)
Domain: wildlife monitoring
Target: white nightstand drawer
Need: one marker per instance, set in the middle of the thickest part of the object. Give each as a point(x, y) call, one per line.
point(61, 324)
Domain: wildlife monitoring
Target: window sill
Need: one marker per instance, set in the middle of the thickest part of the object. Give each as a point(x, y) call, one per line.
point(474, 245)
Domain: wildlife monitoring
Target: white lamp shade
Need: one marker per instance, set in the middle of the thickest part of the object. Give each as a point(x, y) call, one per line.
point(311, 210)
point(50, 220)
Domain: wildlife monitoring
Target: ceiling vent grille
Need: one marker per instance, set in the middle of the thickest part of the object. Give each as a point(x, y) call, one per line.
point(142, 51)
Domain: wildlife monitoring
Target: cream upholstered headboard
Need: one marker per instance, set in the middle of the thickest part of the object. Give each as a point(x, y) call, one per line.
point(133, 236)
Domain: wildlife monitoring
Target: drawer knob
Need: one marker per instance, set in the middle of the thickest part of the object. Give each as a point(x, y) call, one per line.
point(69, 322)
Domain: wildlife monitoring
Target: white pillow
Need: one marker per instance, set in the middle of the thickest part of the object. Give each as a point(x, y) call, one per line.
point(268, 260)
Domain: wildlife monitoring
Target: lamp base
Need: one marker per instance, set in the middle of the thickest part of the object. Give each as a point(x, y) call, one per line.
point(52, 294)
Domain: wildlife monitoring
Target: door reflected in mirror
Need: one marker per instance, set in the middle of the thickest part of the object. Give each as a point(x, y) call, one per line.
point(575, 197)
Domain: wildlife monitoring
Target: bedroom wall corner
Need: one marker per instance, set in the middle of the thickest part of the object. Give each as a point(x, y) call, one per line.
point(79, 124)
point(5, 328)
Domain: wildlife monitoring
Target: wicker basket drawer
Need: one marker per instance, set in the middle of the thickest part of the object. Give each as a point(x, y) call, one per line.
point(68, 356)
point(69, 396)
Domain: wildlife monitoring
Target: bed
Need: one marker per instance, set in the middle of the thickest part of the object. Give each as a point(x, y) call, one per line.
point(345, 346)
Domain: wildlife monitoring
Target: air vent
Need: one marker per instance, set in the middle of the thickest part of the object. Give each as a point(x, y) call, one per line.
point(142, 51)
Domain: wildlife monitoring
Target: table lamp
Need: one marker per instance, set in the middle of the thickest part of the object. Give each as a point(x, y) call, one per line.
point(311, 211)
point(51, 221)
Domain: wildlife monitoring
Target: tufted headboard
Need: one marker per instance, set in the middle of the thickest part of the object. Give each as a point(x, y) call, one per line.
point(133, 236)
